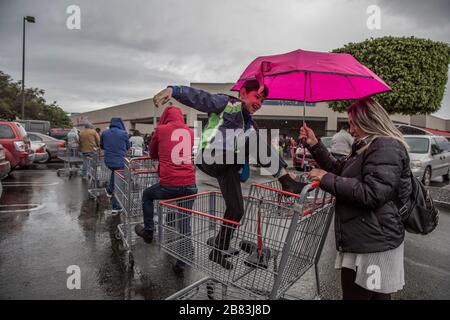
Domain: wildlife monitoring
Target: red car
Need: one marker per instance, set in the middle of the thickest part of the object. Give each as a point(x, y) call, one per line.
point(15, 142)
point(5, 167)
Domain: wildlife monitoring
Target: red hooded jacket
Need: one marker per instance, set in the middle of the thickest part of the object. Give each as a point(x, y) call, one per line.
point(176, 166)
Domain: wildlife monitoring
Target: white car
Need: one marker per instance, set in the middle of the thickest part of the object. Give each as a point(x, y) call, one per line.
point(429, 156)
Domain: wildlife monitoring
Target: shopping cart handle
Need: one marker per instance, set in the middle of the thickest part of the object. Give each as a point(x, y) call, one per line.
point(314, 185)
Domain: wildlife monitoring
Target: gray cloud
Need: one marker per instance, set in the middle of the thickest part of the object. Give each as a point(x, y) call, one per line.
point(128, 50)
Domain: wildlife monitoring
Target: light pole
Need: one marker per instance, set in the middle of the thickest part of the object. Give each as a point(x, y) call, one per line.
point(32, 20)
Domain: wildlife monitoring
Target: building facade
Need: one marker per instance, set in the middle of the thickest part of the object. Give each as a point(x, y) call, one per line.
point(285, 116)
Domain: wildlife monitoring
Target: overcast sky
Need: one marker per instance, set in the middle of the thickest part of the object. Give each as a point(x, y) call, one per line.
point(129, 50)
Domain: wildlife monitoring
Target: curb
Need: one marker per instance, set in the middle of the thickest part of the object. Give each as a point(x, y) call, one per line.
point(442, 204)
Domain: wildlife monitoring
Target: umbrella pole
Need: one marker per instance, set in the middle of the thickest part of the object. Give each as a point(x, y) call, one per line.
point(303, 141)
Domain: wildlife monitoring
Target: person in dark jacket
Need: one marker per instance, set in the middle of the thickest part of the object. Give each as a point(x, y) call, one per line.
point(218, 146)
point(368, 184)
point(116, 144)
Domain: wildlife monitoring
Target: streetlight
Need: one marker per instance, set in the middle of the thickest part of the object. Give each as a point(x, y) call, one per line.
point(32, 20)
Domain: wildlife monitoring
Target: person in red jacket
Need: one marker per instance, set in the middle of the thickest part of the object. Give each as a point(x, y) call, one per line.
point(172, 145)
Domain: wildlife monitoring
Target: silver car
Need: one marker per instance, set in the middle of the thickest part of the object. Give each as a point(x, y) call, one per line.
point(51, 143)
point(429, 156)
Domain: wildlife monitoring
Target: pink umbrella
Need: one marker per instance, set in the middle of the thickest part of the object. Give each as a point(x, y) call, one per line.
point(311, 76)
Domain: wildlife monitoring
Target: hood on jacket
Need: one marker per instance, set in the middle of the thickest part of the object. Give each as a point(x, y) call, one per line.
point(117, 123)
point(88, 125)
point(172, 114)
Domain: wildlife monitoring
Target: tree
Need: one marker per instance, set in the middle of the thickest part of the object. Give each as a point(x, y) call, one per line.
point(36, 107)
point(415, 69)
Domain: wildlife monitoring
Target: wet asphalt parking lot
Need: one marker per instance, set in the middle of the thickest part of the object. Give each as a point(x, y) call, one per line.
point(48, 223)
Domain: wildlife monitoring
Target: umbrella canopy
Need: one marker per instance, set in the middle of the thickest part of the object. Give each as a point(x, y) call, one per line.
point(313, 77)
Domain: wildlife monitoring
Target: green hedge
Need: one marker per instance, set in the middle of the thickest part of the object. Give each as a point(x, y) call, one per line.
point(415, 69)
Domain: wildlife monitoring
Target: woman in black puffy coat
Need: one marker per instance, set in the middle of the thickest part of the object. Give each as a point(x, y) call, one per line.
point(368, 184)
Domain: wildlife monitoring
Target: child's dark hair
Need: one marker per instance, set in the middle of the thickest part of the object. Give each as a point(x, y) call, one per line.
point(253, 85)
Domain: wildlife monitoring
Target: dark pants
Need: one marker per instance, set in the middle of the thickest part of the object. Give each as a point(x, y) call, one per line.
point(158, 192)
point(230, 186)
point(229, 181)
point(352, 291)
point(110, 189)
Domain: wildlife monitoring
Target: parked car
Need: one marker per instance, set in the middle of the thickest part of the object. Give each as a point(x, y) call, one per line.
point(52, 144)
point(41, 126)
point(39, 152)
point(5, 166)
point(429, 156)
point(15, 142)
point(59, 133)
point(309, 162)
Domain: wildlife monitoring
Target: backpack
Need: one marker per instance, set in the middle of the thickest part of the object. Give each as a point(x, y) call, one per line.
point(419, 215)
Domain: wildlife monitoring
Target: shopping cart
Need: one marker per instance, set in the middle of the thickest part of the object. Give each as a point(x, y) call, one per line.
point(129, 184)
point(72, 160)
point(211, 289)
point(276, 242)
point(98, 174)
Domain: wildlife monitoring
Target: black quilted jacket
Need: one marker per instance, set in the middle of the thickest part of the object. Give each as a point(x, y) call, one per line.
point(365, 185)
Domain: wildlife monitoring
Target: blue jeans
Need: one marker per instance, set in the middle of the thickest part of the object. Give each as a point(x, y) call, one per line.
point(158, 192)
point(86, 155)
point(110, 189)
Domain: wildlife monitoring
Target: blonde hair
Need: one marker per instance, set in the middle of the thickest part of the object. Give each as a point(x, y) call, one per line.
point(369, 116)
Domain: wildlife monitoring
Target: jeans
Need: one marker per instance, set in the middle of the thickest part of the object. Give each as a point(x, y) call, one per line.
point(110, 189)
point(158, 192)
point(86, 155)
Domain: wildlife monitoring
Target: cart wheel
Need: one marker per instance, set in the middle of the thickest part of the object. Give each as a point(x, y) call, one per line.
point(210, 290)
point(117, 235)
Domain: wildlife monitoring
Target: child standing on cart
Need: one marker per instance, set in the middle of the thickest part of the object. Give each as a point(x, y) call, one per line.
point(228, 112)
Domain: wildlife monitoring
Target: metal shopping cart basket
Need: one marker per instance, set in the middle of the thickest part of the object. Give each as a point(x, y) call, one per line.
point(276, 242)
point(129, 184)
point(72, 159)
point(98, 174)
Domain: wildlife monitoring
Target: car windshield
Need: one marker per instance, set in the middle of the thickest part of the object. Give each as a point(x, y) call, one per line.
point(418, 145)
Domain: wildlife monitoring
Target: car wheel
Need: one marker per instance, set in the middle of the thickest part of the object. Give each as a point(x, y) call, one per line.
point(446, 177)
point(427, 176)
point(49, 156)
